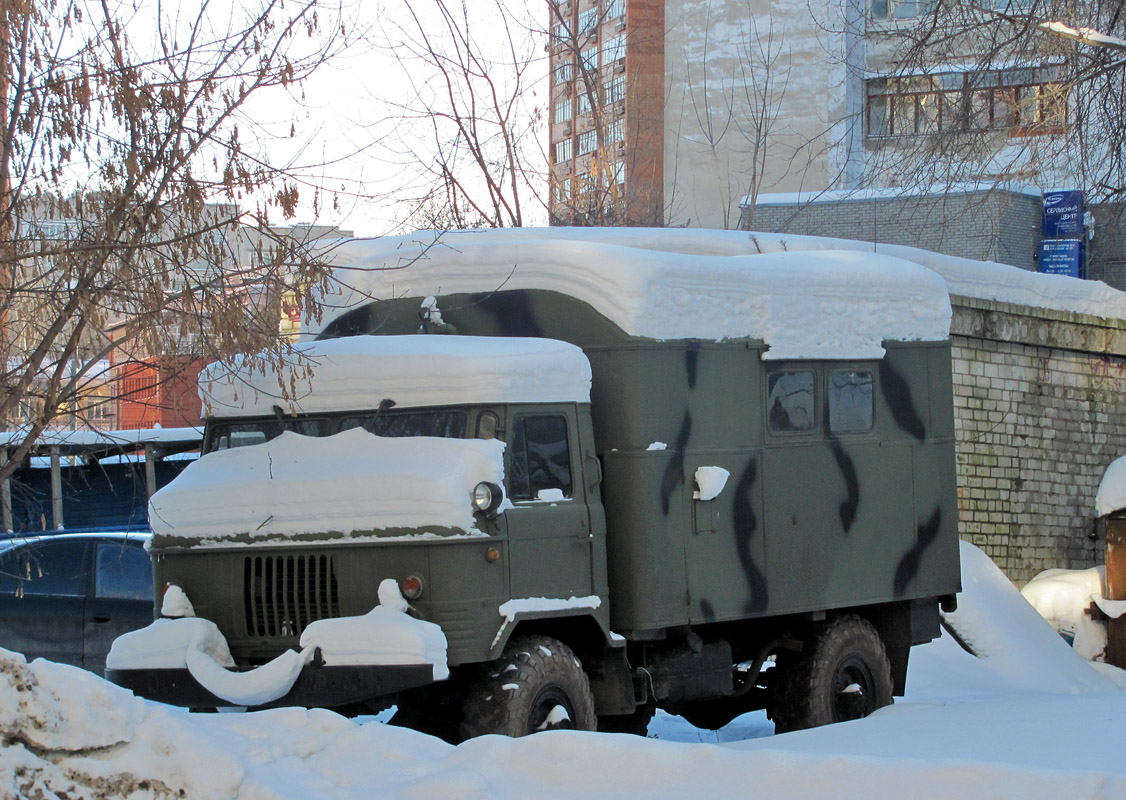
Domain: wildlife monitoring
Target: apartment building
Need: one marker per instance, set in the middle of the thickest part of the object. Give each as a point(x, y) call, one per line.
point(700, 112)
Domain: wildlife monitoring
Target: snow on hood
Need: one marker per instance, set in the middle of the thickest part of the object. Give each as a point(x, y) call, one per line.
point(357, 372)
point(661, 286)
point(353, 482)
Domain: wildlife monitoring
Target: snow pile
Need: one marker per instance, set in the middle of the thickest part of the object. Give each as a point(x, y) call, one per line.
point(384, 636)
point(1022, 722)
point(355, 373)
point(803, 305)
point(350, 483)
point(1062, 597)
point(1111, 496)
point(710, 482)
point(999, 626)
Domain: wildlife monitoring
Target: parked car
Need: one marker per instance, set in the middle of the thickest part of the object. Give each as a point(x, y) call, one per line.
point(66, 597)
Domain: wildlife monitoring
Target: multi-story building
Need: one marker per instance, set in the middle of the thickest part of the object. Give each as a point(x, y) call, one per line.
point(710, 112)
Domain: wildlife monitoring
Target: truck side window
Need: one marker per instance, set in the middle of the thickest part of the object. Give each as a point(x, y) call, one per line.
point(123, 572)
point(790, 402)
point(540, 457)
point(850, 401)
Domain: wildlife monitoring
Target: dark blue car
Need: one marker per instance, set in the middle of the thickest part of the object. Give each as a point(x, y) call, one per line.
point(66, 597)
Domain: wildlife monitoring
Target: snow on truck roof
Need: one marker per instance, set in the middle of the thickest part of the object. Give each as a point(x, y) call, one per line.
point(584, 262)
point(663, 284)
point(357, 372)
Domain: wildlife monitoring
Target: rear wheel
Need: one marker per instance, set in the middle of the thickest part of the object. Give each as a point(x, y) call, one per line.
point(538, 684)
point(843, 675)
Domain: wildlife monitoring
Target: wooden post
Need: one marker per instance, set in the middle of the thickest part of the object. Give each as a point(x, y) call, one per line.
point(1116, 589)
point(56, 490)
point(6, 495)
point(150, 470)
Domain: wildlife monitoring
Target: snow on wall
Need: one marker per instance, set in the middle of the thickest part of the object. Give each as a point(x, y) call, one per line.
point(357, 372)
point(664, 284)
point(1111, 496)
point(984, 280)
point(353, 482)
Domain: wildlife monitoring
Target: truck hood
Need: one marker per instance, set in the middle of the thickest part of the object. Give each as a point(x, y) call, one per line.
point(352, 484)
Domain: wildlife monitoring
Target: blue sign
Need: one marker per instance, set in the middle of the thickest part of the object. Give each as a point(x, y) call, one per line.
point(1063, 215)
point(1061, 257)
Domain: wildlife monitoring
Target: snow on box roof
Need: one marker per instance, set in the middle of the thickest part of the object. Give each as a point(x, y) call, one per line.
point(662, 284)
point(984, 280)
point(357, 372)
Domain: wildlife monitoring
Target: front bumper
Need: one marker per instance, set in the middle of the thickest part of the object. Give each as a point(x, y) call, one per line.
point(316, 686)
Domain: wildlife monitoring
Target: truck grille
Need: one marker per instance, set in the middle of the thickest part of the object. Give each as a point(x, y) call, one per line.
point(284, 593)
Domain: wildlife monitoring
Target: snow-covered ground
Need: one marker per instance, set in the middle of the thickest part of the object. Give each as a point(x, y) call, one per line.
point(1028, 719)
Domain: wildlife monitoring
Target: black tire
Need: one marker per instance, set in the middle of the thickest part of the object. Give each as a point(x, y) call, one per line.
point(516, 694)
point(844, 674)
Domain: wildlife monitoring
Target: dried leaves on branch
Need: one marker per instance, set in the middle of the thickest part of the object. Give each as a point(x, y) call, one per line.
point(136, 190)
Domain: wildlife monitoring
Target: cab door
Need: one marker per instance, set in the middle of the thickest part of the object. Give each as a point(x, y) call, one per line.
point(549, 537)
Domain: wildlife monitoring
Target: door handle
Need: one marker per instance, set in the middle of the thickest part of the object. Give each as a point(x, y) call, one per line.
point(100, 618)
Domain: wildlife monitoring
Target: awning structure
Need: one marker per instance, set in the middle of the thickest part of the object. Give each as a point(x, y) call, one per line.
point(91, 446)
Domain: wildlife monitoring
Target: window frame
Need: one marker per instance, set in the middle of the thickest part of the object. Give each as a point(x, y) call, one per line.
point(518, 429)
point(814, 428)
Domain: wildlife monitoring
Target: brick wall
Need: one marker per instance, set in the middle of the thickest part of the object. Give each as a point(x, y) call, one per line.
point(1039, 414)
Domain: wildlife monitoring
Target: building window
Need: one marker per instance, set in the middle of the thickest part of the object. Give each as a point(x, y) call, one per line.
point(900, 9)
point(1023, 101)
point(590, 58)
point(618, 172)
point(563, 73)
point(615, 132)
point(563, 150)
point(615, 89)
point(584, 102)
point(563, 190)
point(588, 22)
point(560, 32)
point(613, 49)
point(588, 142)
point(615, 9)
point(563, 110)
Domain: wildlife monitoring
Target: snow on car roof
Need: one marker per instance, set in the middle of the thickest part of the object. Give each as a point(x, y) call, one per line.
point(357, 372)
point(663, 285)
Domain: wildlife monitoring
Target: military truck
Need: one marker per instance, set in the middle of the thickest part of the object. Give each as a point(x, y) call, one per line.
point(690, 479)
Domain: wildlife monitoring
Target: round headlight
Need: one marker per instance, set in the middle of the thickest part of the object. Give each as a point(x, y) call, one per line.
point(487, 497)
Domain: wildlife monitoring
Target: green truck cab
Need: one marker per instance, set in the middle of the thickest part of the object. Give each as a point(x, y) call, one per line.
point(762, 515)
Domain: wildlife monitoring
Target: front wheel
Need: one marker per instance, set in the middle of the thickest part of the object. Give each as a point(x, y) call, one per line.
point(537, 684)
point(844, 675)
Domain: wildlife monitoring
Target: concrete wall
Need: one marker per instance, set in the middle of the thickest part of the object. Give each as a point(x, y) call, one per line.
point(1039, 414)
point(988, 225)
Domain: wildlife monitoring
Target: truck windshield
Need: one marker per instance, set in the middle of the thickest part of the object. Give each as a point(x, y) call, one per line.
point(224, 435)
point(447, 424)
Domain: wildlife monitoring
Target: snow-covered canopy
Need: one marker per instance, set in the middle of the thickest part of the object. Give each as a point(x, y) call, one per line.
point(662, 284)
point(689, 282)
point(347, 483)
point(357, 372)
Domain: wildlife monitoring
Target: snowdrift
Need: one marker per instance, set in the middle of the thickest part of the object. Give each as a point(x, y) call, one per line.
point(1042, 724)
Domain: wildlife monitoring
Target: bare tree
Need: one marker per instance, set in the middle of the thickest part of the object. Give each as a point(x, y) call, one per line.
point(468, 129)
point(128, 168)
